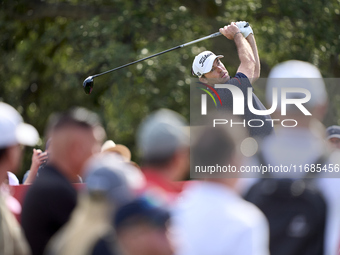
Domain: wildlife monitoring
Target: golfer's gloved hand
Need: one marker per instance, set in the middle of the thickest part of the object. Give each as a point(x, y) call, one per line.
point(245, 30)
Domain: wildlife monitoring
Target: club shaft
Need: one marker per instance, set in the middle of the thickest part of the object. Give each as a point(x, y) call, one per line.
point(201, 39)
point(160, 53)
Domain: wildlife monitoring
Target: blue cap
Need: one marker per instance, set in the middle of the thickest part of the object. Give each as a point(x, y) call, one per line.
point(333, 132)
point(141, 210)
point(108, 175)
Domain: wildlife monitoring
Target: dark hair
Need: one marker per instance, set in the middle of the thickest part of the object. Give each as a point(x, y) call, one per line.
point(141, 211)
point(2, 152)
point(159, 161)
point(79, 117)
point(213, 146)
point(193, 73)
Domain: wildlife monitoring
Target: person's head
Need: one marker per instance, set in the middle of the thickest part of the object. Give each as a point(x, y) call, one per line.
point(142, 228)
point(333, 136)
point(107, 175)
point(77, 135)
point(164, 143)
point(219, 145)
point(209, 68)
point(301, 75)
point(14, 133)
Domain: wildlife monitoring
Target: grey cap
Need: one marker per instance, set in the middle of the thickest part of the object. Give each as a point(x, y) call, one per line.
point(333, 132)
point(161, 134)
point(109, 175)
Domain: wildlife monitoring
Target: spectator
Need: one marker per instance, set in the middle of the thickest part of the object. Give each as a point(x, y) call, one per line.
point(142, 229)
point(302, 208)
point(164, 146)
point(13, 134)
point(90, 230)
point(39, 158)
point(211, 217)
point(333, 136)
point(76, 136)
point(39, 161)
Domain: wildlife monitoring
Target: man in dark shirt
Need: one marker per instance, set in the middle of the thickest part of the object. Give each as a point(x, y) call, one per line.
point(49, 202)
point(210, 70)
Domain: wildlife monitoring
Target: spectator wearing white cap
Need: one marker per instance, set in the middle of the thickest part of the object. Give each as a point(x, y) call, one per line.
point(164, 145)
point(210, 70)
point(76, 134)
point(302, 207)
point(14, 133)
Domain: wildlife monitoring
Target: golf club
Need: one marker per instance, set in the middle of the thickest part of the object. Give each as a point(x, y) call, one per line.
point(88, 82)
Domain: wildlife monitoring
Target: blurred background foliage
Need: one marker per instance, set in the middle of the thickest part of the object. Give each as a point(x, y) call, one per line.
point(48, 47)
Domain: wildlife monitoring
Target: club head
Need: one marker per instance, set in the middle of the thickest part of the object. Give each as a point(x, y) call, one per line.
point(88, 85)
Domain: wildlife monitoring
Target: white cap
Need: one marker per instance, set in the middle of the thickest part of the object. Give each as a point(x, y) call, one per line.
point(13, 130)
point(297, 74)
point(203, 63)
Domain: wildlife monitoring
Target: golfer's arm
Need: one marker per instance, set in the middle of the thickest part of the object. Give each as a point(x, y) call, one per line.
point(246, 57)
point(251, 40)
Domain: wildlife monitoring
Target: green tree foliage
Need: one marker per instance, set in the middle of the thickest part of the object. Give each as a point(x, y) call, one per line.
point(48, 47)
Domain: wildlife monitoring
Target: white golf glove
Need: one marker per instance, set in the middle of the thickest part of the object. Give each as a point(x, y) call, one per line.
point(245, 28)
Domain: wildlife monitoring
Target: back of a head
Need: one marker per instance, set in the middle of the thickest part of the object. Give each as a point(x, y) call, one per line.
point(213, 146)
point(297, 74)
point(160, 135)
point(141, 210)
point(76, 117)
point(219, 145)
point(146, 221)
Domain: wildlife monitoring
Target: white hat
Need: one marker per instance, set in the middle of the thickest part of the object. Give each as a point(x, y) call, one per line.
point(203, 63)
point(13, 130)
point(111, 146)
point(297, 74)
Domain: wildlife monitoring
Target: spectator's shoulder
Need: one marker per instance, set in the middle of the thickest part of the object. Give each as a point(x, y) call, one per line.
point(50, 184)
point(252, 216)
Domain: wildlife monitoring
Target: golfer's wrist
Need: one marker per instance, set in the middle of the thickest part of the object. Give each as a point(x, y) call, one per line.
point(237, 34)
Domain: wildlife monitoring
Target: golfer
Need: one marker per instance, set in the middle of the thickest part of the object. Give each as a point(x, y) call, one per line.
point(210, 70)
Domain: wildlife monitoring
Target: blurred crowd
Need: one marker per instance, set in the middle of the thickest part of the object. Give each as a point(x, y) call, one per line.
point(85, 195)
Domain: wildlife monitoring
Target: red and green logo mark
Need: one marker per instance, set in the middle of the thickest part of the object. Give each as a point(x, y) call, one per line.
point(209, 93)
